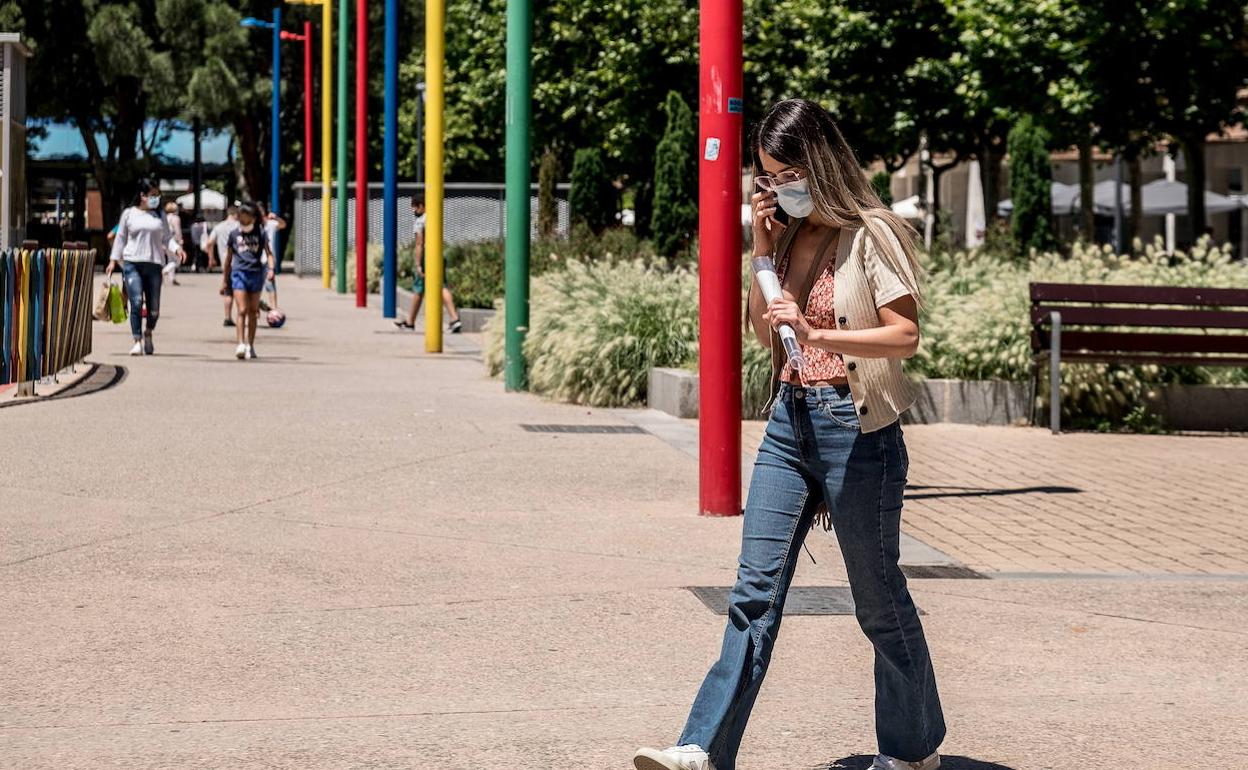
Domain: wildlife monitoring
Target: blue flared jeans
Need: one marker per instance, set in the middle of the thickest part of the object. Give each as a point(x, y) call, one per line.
point(142, 282)
point(813, 451)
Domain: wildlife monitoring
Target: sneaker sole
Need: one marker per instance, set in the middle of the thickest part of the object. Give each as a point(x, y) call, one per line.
point(645, 763)
point(642, 762)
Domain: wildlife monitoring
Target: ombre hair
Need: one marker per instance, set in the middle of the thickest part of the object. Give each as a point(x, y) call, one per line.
point(800, 133)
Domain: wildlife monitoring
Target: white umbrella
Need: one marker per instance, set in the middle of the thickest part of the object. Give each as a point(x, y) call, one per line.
point(908, 208)
point(1159, 198)
point(209, 200)
point(1165, 197)
point(1065, 200)
point(976, 226)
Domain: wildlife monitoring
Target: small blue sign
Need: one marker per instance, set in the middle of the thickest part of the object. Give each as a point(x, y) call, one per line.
point(735, 105)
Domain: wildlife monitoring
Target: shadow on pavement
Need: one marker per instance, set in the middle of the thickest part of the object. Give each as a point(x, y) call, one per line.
point(947, 762)
point(981, 492)
point(266, 360)
point(100, 377)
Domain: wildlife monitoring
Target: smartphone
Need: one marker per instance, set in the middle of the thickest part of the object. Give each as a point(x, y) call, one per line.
point(779, 216)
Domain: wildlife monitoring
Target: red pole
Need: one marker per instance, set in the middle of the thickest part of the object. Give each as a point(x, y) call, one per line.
point(361, 153)
point(307, 101)
point(719, 235)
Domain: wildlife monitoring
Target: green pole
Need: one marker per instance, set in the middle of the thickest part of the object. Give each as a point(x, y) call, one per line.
point(341, 234)
point(519, 108)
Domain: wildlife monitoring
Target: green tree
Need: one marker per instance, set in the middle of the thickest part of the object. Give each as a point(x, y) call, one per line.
point(547, 203)
point(98, 66)
point(643, 208)
point(882, 182)
point(600, 73)
point(1015, 58)
point(1202, 49)
point(863, 61)
point(11, 19)
point(675, 211)
point(111, 66)
point(592, 197)
point(1031, 186)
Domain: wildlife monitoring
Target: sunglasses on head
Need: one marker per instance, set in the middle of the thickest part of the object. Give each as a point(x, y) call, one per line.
point(772, 181)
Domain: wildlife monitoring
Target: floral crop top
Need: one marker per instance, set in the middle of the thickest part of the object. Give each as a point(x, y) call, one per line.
point(821, 365)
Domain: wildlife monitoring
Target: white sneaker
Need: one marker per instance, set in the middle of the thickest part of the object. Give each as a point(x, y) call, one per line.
point(676, 758)
point(137, 350)
point(883, 762)
point(251, 351)
point(240, 352)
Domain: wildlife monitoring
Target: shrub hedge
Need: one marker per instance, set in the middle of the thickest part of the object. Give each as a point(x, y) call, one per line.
point(476, 274)
point(597, 327)
point(405, 267)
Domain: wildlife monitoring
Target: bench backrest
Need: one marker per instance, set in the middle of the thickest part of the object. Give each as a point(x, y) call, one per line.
point(1168, 307)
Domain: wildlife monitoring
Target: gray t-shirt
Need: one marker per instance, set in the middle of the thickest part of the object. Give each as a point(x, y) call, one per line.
point(220, 235)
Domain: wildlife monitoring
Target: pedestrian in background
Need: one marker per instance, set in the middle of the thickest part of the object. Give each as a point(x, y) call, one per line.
point(141, 247)
point(174, 221)
point(418, 281)
point(273, 224)
point(218, 242)
point(833, 450)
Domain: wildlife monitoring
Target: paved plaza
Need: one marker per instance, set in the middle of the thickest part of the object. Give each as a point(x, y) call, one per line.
point(352, 554)
point(1011, 500)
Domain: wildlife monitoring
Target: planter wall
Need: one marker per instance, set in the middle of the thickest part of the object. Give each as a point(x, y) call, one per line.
point(970, 402)
point(996, 402)
point(1201, 407)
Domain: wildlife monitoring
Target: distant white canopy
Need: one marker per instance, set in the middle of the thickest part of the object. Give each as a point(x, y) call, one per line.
point(1065, 200)
point(908, 208)
point(1159, 197)
point(209, 200)
point(1165, 197)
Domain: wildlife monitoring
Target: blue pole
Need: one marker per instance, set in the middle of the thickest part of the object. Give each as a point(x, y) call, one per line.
point(390, 159)
point(275, 149)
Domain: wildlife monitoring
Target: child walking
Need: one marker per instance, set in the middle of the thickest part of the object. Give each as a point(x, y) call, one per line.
point(248, 264)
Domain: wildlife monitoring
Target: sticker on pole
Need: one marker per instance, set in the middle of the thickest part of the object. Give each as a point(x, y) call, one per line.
point(712, 148)
point(736, 105)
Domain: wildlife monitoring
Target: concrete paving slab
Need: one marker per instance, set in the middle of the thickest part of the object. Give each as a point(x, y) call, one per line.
point(349, 554)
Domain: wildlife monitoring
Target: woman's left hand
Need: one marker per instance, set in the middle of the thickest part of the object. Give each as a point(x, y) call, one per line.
point(786, 311)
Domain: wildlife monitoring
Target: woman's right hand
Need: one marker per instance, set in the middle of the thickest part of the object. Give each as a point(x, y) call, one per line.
point(108, 271)
point(767, 228)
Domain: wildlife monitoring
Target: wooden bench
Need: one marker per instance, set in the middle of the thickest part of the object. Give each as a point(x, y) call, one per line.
point(1120, 324)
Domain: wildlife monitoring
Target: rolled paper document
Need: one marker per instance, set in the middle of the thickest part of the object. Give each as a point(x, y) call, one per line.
point(769, 282)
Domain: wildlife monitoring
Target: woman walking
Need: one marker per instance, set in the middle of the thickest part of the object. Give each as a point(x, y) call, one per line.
point(142, 246)
point(833, 451)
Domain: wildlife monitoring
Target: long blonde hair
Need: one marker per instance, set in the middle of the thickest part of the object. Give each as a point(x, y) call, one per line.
point(800, 133)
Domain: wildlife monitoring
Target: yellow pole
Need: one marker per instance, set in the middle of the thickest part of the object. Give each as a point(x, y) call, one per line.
point(327, 132)
point(435, 53)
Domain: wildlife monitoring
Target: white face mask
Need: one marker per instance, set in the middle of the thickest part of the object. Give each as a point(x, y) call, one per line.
point(153, 202)
point(795, 199)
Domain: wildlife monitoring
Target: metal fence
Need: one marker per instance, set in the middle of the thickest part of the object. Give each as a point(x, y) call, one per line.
point(472, 212)
point(45, 311)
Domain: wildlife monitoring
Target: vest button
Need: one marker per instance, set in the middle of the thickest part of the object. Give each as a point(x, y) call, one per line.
point(863, 410)
point(851, 366)
point(841, 321)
